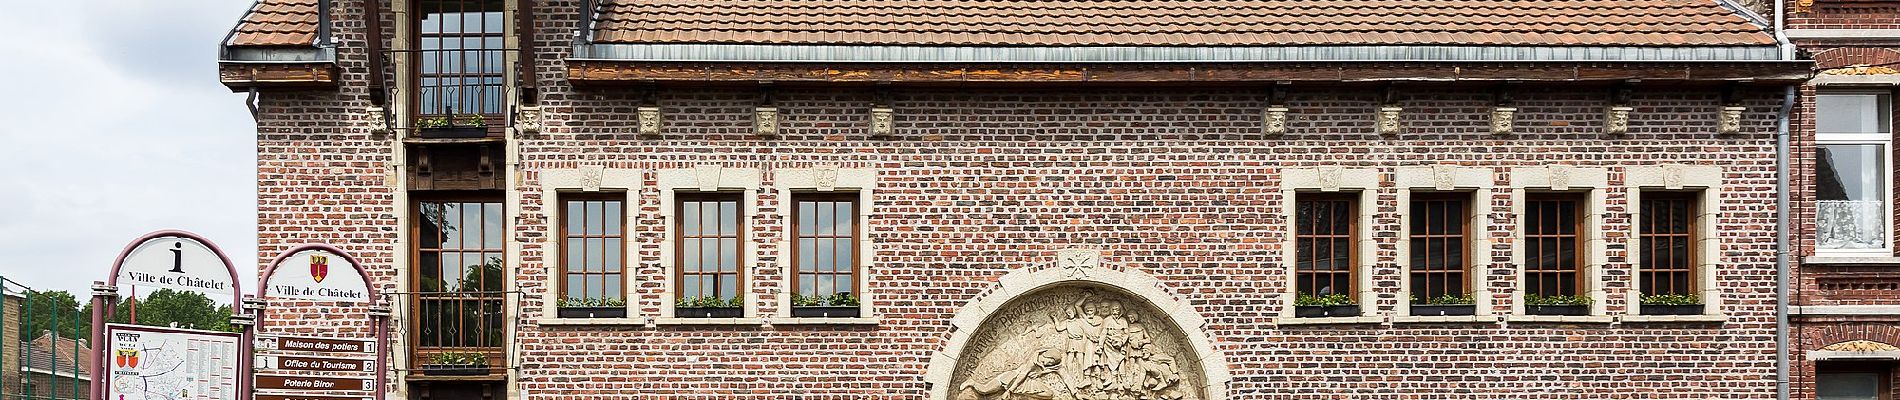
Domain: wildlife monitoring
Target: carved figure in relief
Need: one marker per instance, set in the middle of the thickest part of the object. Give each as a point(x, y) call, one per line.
point(1093, 347)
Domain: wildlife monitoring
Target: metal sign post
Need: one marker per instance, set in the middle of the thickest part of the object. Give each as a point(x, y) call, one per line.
point(319, 272)
point(169, 259)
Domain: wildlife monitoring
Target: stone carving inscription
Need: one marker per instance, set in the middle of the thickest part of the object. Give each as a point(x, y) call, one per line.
point(1077, 343)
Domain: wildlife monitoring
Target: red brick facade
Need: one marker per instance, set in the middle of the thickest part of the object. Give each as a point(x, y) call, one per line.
point(1175, 182)
point(1872, 57)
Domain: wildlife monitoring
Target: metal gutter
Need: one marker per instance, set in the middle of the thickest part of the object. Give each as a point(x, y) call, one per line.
point(287, 55)
point(1781, 245)
point(746, 53)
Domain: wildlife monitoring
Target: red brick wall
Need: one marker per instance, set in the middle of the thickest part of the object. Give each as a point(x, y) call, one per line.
point(1174, 182)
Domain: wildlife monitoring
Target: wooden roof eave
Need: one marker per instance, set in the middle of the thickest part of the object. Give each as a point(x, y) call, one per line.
point(244, 68)
point(582, 73)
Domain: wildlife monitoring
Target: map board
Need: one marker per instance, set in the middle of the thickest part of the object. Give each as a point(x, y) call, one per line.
point(149, 363)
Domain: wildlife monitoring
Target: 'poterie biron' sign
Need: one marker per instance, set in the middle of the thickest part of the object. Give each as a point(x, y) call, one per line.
point(320, 274)
point(312, 383)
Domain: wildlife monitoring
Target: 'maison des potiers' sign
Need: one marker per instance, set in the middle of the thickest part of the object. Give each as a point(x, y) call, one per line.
point(176, 262)
point(316, 274)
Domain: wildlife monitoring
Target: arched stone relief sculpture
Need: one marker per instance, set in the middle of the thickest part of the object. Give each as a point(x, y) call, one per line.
point(1078, 341)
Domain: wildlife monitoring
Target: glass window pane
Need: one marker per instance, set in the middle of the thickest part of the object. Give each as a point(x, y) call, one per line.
point(596, 261)
point(1851, 207)
point(729, 218)
point(493, 227)
point(807, 213)
point(576, 254)
point(596, 215)
point(575, 221)
point(611, 287)
point(613, 248)
point(450, 215)
point(807, 254)
point(1853, 113)
point(689, 218)
point(729, 255)
point(806, 284)
point(1847, 386)
point(824, 255)
point(845, 221)
point(825, 219)
point(613, 218)
point(728, 286)
point(690, 255)
point(689, 286)
point(576, 287)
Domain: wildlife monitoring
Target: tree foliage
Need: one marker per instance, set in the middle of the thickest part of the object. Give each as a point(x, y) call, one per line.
point(60, 311)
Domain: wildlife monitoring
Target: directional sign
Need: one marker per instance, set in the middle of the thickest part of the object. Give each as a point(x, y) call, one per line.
point(313, 383)
point(176, 262)
point(319, 345)
point(318, 273)
point(293, 396)
point(322, 364)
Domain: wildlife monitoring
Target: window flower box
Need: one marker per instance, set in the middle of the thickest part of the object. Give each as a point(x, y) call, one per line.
point(593, 312)
point(1673, 309)
point(1570, 309)
point(454, 370)
point(825, 312)
point(1444, 309)
point(456, 127)
point(709, 312)
point(1346, 310)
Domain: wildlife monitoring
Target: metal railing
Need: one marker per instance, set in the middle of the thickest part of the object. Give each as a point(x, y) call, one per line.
point(44, 347)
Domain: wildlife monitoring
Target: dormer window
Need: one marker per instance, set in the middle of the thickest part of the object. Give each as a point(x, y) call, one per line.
point(460, 64)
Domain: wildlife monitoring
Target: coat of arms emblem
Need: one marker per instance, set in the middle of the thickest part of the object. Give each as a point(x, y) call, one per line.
point(319, 267)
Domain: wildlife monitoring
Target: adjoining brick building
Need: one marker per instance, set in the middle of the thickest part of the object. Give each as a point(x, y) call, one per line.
point(1845, 310)
point(1033, 199)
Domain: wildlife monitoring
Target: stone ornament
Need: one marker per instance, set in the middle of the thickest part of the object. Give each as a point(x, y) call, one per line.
point(649, 121)
point(378, 124)
point(707, 177)
point(1672, 176)
point(882, 121)
point(591, 175)
point(1731, 120)
point(1617, 120)
point(1276, 121)
point(1560, 177)
point(1389, 120)
point(528, 119)
point(1329, 178)
point(765, 121)
point(1443, 177)
point(1503, 120)
point(825, 177)
point(1077, 262)
point(1860, 345)
point(1075, 343)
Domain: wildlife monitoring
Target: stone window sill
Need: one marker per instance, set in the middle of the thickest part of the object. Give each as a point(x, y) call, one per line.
point(1717, 318)
point(1562, 319)
point(1455, 319)
point(1364, 319)
point(1849, 260)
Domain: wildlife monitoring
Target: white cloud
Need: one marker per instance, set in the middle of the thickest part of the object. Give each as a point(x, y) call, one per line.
point(117, 126)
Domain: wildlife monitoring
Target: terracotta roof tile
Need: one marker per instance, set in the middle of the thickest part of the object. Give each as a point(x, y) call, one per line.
point(278, 23)
point(1177, 22)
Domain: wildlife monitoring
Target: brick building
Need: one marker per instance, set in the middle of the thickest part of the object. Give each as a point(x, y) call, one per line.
point(1845, 310)
point(1033, 199)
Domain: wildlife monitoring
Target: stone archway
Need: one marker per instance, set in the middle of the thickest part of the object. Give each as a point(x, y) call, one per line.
point(1077, 333)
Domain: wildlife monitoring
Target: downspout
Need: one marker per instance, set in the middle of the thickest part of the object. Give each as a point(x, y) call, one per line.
point(1781, 245)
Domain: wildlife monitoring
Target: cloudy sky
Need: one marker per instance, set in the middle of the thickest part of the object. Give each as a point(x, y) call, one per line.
point(115, 125)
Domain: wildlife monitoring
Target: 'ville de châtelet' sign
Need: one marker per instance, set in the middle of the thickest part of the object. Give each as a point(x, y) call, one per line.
point(176, 262)
point(317, 274)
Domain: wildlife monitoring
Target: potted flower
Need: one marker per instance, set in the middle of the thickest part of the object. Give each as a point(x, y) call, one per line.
point(456, 363)
point(709, 307)
point(578, 307)
point(1332, 305)
point(837, 305)
point(1536, 304)
point(452, 126)
point(1672, 304)
point(1446, 304)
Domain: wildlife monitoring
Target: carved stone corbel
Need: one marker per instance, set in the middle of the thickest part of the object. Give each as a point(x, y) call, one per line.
point(1730, 122)
point(1503, 120)
point(528, 119)
point(649, 121)
point(1389, 121)
point(1275, 121)
point(765, 121)
point(377, 121)
point(1616, 118)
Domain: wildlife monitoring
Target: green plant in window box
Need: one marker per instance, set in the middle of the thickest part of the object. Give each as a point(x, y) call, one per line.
point(452, 126)
point(1330, 305)
point(709, 307)
point(1445, 305)
point(588, 307)
point(437, 122)
point(470, 120)
point(1672, 304)
point(458, 363)
point(837, 305)
point(1536, 304)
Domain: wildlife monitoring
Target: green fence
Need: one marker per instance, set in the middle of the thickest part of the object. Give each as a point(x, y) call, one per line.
point(44, 352)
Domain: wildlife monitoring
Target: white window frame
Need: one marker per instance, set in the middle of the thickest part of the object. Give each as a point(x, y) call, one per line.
point(1706, 182)
point(1590, 181)
point(1364, 181)
point(557, 184)
point(1886, 142)
point(1479, 183)
point(789, 183)
point(709, 179)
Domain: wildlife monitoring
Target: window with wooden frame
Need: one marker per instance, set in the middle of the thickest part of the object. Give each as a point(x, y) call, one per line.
point(1552, 226)
point(460, 64)
point(1439, 248)
point(1324, 245)
point(826, 255)
point(1853, 381)
point(593, 256)
point(1666, 238)
point(709, 255)
point(459, 269)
